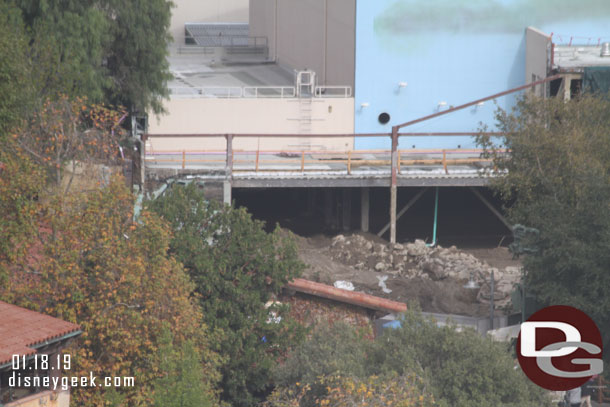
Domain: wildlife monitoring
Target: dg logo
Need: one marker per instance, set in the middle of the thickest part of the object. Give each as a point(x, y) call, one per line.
point(560, 348)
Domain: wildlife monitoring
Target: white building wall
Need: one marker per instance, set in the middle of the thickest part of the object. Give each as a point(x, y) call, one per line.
point(536, 54)
point(252, 116)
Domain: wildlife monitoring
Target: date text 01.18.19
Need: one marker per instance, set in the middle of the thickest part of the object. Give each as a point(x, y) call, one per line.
point(41, 361)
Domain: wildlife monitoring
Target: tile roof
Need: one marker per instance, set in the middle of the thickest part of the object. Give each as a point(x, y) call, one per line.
point(350, 297)
point(21, 330)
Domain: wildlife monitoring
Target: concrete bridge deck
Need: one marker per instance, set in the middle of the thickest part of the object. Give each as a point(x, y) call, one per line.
point(281, 169)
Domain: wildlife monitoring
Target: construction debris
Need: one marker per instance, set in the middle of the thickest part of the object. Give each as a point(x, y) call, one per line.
point(433, 276)
point(420, 260)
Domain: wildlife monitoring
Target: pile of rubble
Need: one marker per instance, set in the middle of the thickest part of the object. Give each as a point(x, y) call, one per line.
point(416, 259)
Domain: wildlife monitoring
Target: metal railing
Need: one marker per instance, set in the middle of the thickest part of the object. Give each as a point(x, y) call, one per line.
point(340, 162)
point(269, 92)
point(333, 91)
point(207, 91)
point(228, 41)
point(257, 91)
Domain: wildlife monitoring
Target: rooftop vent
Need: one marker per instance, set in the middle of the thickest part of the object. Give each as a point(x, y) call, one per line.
point(605, 49)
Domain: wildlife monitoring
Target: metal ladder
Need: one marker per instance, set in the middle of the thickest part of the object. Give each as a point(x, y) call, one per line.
point(305, 87)
point(305, 115)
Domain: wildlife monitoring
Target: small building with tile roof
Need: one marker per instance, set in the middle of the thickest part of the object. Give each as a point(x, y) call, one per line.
point(26, 339)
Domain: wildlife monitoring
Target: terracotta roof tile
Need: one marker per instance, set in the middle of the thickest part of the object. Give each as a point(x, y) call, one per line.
point(21, 329)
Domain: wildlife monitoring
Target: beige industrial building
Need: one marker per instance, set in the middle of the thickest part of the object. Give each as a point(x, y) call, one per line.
point(256, 73)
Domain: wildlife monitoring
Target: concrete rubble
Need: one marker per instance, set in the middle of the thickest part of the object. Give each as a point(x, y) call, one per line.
point(417, 260)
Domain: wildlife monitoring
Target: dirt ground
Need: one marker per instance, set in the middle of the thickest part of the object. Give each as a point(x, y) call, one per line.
point(408, 277)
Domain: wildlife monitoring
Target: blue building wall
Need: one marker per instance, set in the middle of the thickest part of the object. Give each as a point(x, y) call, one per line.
point(452, 51)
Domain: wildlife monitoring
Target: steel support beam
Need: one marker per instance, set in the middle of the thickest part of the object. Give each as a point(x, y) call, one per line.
point(226, 192)
point(492, 209)
point(328, 206)
point(403, 210)
point(346, 208)
point(329, 183)
point(364, 209)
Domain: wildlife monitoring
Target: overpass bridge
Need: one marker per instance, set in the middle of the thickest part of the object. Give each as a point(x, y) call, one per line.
point(336, 172)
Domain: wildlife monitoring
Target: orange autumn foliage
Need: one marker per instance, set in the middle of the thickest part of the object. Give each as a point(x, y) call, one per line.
point(70, 131)
point(112, 276)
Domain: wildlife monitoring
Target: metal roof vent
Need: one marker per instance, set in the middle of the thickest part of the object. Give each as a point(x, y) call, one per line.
point(605, 49)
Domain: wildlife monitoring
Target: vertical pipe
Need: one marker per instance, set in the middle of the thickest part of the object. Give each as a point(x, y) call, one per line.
point(257, 154)
point(393, 187)
point(491, 301)
point(183, 159)
point(435, 218)
point(302, 161)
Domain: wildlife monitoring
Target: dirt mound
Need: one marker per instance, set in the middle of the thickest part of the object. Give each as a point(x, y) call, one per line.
point(432, 276)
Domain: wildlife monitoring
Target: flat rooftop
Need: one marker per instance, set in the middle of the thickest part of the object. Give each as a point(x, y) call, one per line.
point(573, 58)
point(205, 72)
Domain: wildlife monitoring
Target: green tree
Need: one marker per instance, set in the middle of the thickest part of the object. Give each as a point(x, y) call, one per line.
point(557, 177)
point(182, 383)
point(21, 183)
point(15, 85)
point(460, 369)
point(67, 44)
point(335, 349)
point(373, 391)
point(107, 50)
point(464, 368)
point(136, 55)
point(237, 267)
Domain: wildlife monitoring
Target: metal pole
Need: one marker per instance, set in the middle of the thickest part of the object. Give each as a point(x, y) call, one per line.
point(491, 302)
point(229, 162)
point(435, 218)
point(600, 390)
point(523, 300)
point(473, 103)
point(393, 189)
point(227, 184)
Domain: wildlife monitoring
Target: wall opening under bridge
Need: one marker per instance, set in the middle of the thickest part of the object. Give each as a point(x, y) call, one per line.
point(463, 220)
